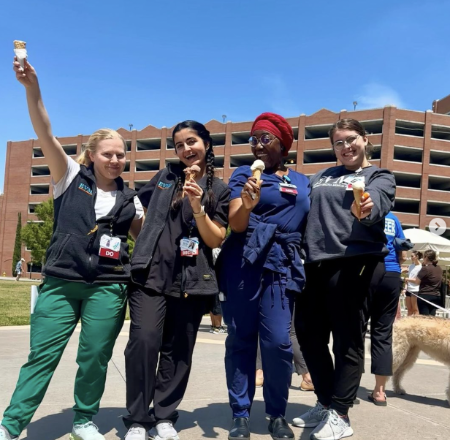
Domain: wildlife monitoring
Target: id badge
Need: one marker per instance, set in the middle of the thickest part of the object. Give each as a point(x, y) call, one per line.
point(109, 247)
point(288, 188)
point(189, 247)
point(352, 180)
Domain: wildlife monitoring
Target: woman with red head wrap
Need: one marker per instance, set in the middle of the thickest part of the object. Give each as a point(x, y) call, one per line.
point(260, 272)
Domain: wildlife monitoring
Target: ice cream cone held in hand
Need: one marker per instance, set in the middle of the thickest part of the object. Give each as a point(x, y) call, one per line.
point(257, 168)
point(360, 196)
point(20, 50)
point(191, 174)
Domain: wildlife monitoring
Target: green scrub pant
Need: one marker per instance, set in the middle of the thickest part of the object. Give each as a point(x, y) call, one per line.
point(60, 305)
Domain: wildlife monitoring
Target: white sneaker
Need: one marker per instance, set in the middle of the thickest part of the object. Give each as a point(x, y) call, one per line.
point(312, 417)
point(164, 431)
point(88, 431)
point(332, 427)
point(136, 432)
point(5, 435)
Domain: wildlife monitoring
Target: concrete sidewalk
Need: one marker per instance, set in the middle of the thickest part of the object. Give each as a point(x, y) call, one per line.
point(204, 412)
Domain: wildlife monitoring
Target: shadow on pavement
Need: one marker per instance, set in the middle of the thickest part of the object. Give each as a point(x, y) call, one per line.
point(218, 415)
point(60, 425)
point(208, 419)
point(424, 400)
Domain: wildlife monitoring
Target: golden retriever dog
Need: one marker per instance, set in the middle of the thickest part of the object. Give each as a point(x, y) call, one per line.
point(413, 335)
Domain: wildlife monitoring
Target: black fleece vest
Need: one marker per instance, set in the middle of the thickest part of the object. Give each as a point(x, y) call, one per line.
point(73, 251)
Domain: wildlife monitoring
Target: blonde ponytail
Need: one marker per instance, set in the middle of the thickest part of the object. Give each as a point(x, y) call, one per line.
point(94, 139)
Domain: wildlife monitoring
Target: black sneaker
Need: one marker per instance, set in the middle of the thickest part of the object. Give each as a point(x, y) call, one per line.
point(279, 429)
point(239, 429)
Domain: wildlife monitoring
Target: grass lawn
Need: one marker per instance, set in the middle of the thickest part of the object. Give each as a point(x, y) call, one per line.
point(15, 303)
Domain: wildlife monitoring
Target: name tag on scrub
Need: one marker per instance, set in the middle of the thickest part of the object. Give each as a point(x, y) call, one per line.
point(288, 188)
point(109, 247)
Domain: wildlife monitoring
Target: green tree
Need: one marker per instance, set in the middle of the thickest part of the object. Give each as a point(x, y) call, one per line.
point(17, 255)
point(37, 235)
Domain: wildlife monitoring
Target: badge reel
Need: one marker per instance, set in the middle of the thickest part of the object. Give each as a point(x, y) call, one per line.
point(287, 187)
point(109, 246)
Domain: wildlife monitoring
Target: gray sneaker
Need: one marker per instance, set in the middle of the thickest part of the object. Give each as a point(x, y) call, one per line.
point(332, 427)
point(312, 417)
point(5, 435)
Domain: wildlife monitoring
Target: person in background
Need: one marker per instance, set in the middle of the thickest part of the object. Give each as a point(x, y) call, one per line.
point(216, 312)
point(429, 280)
point(383, 308)
point(344, 264)
point(19, 268)
point(261, 272)
point(85, 278)
point(412, 289)
point(173, 281)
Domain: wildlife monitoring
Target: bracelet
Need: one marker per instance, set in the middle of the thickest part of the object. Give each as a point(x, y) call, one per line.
point(202, 212)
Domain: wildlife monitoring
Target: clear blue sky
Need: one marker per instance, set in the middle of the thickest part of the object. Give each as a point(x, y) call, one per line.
point(112, 63)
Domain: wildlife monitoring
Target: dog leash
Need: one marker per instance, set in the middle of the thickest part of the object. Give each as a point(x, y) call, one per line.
point(429, 302)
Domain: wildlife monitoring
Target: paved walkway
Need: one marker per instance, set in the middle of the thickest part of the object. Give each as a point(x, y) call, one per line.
point(204, 413)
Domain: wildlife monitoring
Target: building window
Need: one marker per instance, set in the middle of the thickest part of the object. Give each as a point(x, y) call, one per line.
point(440, 132)
point(319, 156)
point(39, 189)
point(32, 207)
point(408, 154)
point(34, 268)
point(438, 209)
point(240, 138)
point(376, 152)
point(219, 161)
point(409, 128)
point(148, 144)
point(239, 160)
point(438, 183)
point(218, 139)
point(373, 127)
point(70, 150)
point(408, 180)
point(407, 206)
point(42, 170)
point(169, 144)
point(441, 158)
point(147, 165)
point(37, 152)
point(317, 131)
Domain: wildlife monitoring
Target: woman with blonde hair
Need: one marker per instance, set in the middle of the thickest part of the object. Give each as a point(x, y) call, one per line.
point(86, 272)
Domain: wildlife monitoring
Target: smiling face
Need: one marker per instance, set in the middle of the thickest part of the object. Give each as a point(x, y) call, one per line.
point(270, 154)
point(109, 158)
point(352, 151)
point(190, 148)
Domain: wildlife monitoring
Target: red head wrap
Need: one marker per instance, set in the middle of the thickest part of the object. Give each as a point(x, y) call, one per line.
point(276, 125)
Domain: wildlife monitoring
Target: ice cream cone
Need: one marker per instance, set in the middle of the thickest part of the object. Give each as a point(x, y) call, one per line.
point(257, 168)
point(358, 192)
point(20, 50)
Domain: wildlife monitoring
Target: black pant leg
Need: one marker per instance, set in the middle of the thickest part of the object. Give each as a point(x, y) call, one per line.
point(183, 317)
point(299, 360)
point(147, 310)
point(383, 308)
point(313, 327)
point(425, 308)
point(350, 289)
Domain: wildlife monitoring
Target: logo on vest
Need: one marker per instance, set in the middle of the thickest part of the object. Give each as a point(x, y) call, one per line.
point(163, 185)
point(85, 188)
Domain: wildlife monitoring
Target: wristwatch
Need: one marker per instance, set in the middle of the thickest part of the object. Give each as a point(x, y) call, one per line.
point(202, 212)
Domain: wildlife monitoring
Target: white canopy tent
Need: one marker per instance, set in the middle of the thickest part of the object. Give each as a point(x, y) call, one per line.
point(424, 240)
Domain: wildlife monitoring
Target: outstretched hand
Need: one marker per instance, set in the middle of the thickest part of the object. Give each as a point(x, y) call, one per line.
point(27, 76)
point(366, 206)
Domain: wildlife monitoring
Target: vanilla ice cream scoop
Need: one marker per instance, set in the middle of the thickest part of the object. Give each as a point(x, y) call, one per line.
point(257, 168)
point(20, 49)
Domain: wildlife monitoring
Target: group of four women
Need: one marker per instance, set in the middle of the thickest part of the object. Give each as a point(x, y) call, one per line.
point(260, 272)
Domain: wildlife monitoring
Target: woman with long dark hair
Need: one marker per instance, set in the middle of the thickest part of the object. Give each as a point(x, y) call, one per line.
point(173, 281)
point(345, 247)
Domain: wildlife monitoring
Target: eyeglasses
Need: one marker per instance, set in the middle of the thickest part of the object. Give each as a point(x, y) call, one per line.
point(339, 145)
point(264, 140)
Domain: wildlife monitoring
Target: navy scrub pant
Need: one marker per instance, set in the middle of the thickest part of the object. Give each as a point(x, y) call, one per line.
point(265, 309)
